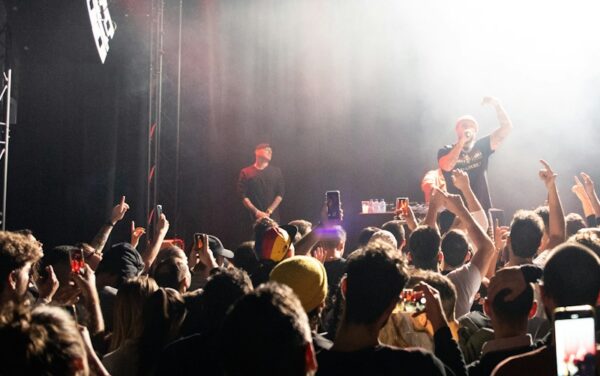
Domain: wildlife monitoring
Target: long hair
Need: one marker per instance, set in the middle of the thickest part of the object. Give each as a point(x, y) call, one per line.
point(162, 316)
point(127, 316)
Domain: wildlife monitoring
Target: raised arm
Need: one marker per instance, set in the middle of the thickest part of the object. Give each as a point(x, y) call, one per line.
point(483, 245)
point(505, 127)
point(448, 161)
point(151, 251)
point(590, 189)
point(586, 203)
point(557, 230)
point(461, 181)
point(117, 213)
point(435, 204)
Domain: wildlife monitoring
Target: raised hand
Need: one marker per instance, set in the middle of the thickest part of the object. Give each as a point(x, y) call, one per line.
point(461, 180)
point(48, 286)
point(136, 234)
point(318, 253)
point(588, 184)
point(490, 101)
point(162, 227)
point(433, 306)
point(118, 212)
point(86, 281)
point(547, 175)
point(500, 235)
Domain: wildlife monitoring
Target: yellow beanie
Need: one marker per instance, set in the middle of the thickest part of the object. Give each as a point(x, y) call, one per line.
point(306, 276)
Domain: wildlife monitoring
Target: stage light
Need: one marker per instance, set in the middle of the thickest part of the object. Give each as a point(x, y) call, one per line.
point(103, 28)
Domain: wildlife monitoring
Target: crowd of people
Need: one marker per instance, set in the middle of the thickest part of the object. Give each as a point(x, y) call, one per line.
point(428, 297)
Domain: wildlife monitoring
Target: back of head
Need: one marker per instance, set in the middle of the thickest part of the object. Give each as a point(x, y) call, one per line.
point(245, 257)
point(266, 333)
point(442, 284)
point(44, 341)
point(128, 309)
point(170, 272)
point(223, 288)
point(335, 237)
point(455, 247)
point(260, 227)
point(307, 278)
point(375, 276)
point(365, 235)
point(424, 246)
point(574, 222)
point(397, 229)
point(121, 260)
point(513, 312)
point(526, 231)
point(589, 237)
point(162, 316)
point(172, 251)
point(384, 236)
point(303, 226)
point(544, 213)
point(572, 276)
point(16, 250)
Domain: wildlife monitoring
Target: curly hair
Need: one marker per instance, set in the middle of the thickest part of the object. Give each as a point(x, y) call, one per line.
point(16, 250)
point(43, 341)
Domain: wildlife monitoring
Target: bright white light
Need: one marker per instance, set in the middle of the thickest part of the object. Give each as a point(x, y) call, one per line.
point(103, 27)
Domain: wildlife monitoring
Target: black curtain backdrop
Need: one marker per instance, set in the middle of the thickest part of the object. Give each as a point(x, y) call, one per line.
point(344, 106)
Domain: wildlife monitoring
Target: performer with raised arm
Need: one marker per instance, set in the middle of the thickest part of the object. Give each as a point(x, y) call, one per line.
point(471, 154)
point(261, 185)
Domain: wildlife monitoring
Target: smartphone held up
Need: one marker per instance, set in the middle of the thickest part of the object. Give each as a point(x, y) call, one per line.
point(334, 205)
point(575, 338)
point(76, 259)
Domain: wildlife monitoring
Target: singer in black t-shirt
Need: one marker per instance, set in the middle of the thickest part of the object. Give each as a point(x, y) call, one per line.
point(471, 154)
point(261, 185)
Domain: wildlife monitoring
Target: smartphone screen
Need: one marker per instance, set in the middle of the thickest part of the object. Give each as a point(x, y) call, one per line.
point(402, 205)
point(575, 338)
point(412, 301)
point(334, 205)
point(198, 240)
point(77, 260)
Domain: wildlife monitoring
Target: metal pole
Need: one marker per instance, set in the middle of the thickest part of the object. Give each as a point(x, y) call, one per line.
point(6, 138)
point(178, 116)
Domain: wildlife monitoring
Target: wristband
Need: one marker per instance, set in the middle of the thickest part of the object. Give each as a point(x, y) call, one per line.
point(269, 211)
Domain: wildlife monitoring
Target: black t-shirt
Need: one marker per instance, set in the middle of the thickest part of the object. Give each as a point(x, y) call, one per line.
point(379, 361)
point(261, 186)
point(474, 163)
point(335, 270)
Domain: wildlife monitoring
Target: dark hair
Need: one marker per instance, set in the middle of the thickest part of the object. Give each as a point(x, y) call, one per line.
point(397, 229)
point(266, 333)
point(303, 228)
point(162, 316)
point(365, 235)
point(574, 222)
point(223, 288)
point(375, 276)
point(169, 272)
point(441, 283)
point(245, 257)
point(424, 246)
point(544, 213)
point(455, 247)
point(16, 250)
point(516, 311)
point(590, 238)
point(44, 341)
point(572, 275)
point(526, 231)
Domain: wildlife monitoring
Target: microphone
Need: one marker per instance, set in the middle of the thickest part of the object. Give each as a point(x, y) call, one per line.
point(468, 134)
